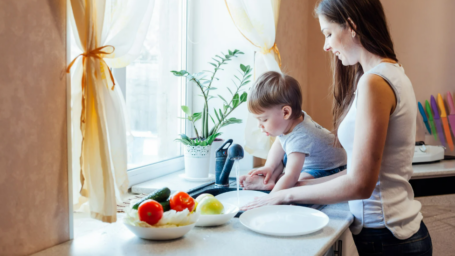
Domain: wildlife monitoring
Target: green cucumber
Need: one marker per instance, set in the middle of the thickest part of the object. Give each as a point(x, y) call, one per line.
point(159, 195)
point(166, 206)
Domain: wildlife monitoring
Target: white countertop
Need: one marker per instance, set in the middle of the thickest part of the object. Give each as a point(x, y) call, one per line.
point(434, 170)
point(230, 239)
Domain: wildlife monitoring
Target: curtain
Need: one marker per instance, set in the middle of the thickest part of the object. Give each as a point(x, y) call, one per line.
point(109, 33)
point(257, 21)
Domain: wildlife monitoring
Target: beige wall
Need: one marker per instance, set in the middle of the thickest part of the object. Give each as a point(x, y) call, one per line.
point(423, 36)
point(300, 42)
point(33, 144)
point(424, 39)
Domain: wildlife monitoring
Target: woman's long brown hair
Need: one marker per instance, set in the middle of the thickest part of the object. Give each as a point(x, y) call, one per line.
point(371, 29)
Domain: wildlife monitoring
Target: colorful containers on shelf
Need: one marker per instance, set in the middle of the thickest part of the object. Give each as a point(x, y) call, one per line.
point(437, 121)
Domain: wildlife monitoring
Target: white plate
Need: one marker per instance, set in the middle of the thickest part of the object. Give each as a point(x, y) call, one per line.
point(160, 233)
point(209, 178)
point(284, 220)
point(230, 210)
point(245, 196)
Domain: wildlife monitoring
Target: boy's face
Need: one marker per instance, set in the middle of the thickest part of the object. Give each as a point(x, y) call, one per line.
point(274, 121)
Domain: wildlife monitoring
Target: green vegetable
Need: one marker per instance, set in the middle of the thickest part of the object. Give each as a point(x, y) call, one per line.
point(166, 206)
point(159, 195)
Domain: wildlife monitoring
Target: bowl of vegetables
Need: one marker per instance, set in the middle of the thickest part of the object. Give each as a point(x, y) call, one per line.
point(160, 216)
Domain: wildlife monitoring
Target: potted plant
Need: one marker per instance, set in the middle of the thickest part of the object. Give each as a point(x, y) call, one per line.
point(198, 149)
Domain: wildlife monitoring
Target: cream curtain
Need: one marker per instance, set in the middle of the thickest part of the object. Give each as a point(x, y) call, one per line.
point(257, 21)
point(108, 32)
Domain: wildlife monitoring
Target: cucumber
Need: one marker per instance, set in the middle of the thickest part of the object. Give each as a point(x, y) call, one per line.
point(159, 195)
point(166, 206)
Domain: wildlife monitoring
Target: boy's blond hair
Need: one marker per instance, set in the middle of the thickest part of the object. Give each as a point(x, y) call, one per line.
point(274, 89)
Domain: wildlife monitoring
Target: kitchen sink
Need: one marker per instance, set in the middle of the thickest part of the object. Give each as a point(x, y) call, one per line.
point(212, 189)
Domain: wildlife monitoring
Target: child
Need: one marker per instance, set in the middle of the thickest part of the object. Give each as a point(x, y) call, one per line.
point(304, 147)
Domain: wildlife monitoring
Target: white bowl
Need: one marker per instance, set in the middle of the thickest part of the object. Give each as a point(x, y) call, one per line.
point(160, 233)
point(230, 211)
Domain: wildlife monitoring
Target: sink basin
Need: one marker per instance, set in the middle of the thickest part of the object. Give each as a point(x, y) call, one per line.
point(211, 189)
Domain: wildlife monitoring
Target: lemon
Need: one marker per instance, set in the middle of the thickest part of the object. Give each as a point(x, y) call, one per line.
point(210, 206)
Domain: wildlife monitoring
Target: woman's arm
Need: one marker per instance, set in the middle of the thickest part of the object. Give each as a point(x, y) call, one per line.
point(375, 102)
point(319, 180)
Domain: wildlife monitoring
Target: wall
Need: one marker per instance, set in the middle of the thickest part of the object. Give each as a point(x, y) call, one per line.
point(423, 37)
point(34, 211)
point(217, 33)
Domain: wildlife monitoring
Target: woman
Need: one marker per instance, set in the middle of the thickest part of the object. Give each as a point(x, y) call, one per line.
point(374, 119)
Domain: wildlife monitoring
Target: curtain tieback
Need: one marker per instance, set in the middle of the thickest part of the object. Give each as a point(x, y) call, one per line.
point(95, 53)
point(265, 50)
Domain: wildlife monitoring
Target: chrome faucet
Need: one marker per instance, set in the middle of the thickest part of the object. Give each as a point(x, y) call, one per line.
point(225, 157)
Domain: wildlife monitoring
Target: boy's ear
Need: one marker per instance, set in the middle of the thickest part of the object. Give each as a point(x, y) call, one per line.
point(287, 112)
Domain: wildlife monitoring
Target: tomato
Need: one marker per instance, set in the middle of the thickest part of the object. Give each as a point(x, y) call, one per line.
point(182, 201)
point(150, 211)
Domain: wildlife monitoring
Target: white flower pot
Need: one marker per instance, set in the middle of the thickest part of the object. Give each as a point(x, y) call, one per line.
point(197, 161)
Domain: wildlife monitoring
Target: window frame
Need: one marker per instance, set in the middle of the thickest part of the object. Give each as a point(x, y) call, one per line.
point(154, 170)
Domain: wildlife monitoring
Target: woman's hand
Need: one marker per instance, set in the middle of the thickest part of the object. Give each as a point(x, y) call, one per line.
point(270, 199)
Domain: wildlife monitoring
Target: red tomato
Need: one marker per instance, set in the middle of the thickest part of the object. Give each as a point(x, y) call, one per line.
point(150, 211)
point(182, 201)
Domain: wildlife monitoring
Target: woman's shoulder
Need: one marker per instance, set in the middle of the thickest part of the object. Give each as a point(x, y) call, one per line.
point(374, 88)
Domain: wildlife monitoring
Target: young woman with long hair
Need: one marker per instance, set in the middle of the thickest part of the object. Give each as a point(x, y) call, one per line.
point(374, 110)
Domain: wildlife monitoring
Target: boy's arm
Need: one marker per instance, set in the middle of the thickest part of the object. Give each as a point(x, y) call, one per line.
point(293, 168)
point(274, 158)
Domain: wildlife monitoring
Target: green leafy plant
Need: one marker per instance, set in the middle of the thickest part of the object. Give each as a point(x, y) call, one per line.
point(204, 81)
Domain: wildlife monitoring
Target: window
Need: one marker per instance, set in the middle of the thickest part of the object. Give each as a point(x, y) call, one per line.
point(153, 95)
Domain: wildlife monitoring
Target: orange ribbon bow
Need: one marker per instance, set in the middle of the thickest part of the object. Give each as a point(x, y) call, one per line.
point(95, 53)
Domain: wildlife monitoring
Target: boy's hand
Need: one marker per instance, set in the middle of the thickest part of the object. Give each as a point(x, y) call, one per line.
point(265, 171)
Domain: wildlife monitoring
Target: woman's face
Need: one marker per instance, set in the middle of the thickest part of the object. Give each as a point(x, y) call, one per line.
point(340, 41)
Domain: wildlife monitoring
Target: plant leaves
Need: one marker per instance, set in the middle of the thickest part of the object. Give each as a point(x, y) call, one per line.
point(180, 73)
point(186, 110)
point(212, 137)
point(184, 137)
point(221, 97)
point(225, 107)
point(230, 91)
point(235, 100)
point(231, 120)
point(242, 67)
point(197, 116)
point(221, 114)
point(212, 119)
point(244, 97)
point(230, 52)
point(217, 116)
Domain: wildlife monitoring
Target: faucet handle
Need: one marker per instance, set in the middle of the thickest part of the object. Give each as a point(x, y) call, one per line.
point(235, 152)
point(222, 151)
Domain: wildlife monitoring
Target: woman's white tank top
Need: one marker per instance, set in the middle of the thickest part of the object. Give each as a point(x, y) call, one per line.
point(392, 203)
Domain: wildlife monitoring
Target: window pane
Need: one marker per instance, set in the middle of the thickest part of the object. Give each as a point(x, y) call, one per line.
point(153, 94)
